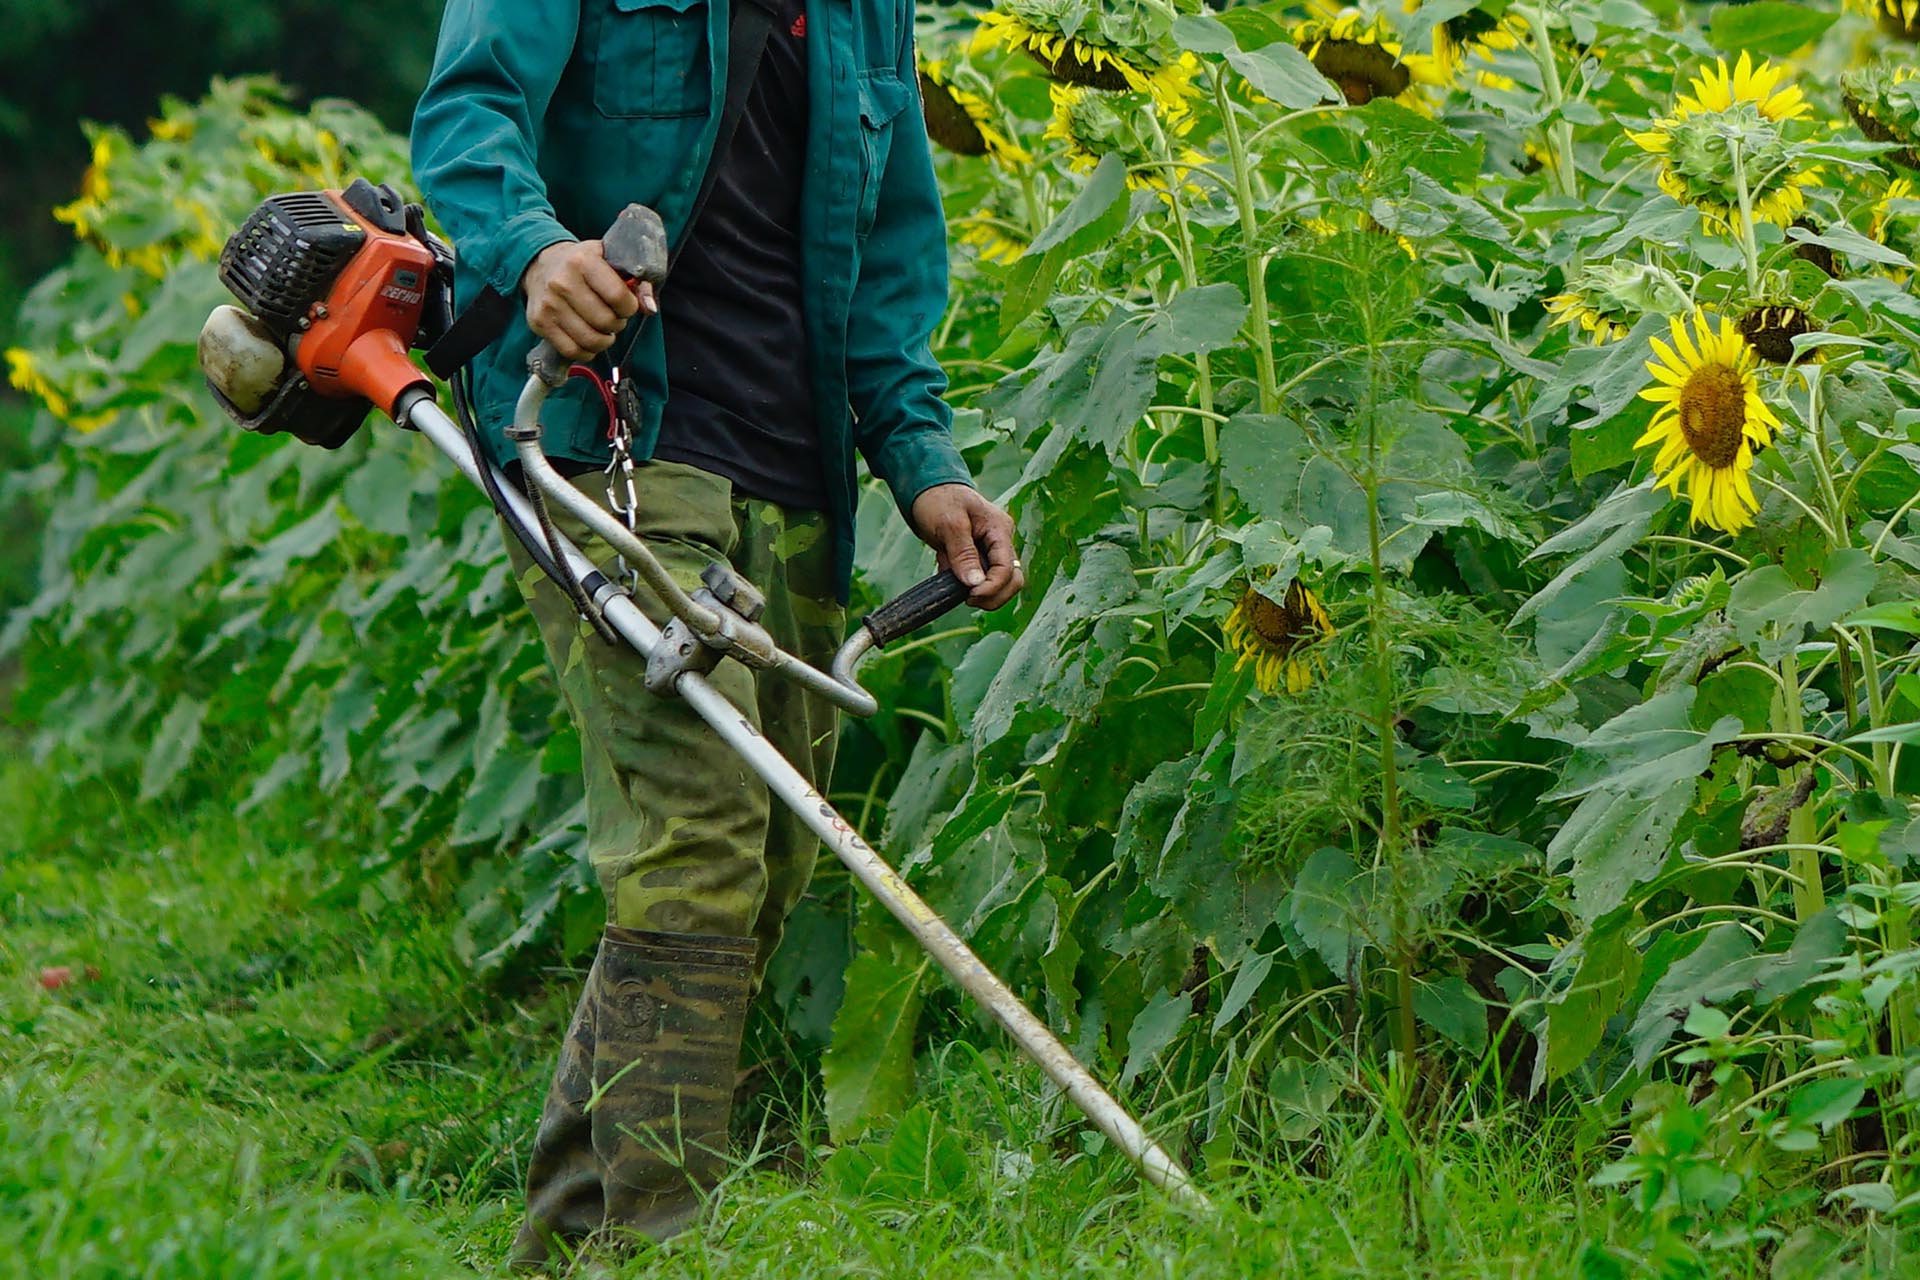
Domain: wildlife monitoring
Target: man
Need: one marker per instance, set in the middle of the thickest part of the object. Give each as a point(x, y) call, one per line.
point(793, 330)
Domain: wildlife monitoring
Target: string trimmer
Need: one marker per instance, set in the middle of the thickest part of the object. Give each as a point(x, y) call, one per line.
point(338, 287)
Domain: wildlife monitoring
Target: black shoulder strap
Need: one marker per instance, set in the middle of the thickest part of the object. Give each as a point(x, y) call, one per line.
point(484, 319)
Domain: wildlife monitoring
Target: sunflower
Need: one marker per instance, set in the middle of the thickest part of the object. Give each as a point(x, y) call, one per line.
point(1273, 635)
point(1092, 125)
point(25, 374)
point(963, 121)
point(1770, 331)
point(1606, 298)
point(1818, 254)
point(84, 213)
point(1884, 102)
point(1710, 423)
point(992, 238)
point(1896, 220)
point(1696, 144)
point(1898, 18)
point(1361, 55)
point(1470, 36)
point(1085, 58)
point(1326, 228)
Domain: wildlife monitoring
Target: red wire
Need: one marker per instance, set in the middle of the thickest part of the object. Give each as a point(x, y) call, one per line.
point(601, 385)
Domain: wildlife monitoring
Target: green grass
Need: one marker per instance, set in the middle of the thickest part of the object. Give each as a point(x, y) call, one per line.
point(276, 1069)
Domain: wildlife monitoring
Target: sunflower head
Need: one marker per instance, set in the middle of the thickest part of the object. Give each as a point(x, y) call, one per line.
point(961, 119)
point(1078, 49)
point(1896, 219)
point(995, 228)
point(1362, 57)
point(1471, 40)
point(1898, 18)
point(1606, 298)
point(1732, 121)
point(1818, 254)
point(1272, 633)
point(1710, 421)
point(1770, 331)
point(1884, 101)
point(1092, 125)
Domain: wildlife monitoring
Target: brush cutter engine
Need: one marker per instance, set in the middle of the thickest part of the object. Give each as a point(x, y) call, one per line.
point(335, 287)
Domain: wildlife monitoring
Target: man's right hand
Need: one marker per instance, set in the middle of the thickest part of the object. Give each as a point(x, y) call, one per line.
point(579, 303)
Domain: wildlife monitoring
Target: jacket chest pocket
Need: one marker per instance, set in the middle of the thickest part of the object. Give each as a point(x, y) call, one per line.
point(650, 58)
point(883, 96)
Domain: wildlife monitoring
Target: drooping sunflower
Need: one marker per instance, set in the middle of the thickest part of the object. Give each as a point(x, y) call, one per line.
point(1085, 58)
point(1274, 636)
point(1606, 298)
point(994, 230)
point(1745, 107)
point(961, 119)
point(1710, 423)
point(1475, 36)
point(1898, 18)
point(25, 373)
point(992, 238)
point(1364, 59)
point(1770, 331)
point(1884, 102)
point(1896, 221)
point(1326, 228)
point(84, 212)
point(1818, 254)
point(1092, 125)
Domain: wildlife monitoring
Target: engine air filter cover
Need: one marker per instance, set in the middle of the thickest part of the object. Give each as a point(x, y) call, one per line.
point(286, 256)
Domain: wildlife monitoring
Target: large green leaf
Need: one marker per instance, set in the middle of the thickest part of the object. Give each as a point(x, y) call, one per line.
point(1094, 214)
point(868, 1069)
point(1327, 909)
point(1707, 974)
point(1062, 659)
point(1605, 968)
point(1283, 74)
point(1769, 28)
point(1768, 611)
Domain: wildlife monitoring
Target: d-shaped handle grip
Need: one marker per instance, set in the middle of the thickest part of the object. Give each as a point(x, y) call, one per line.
point(915, 607)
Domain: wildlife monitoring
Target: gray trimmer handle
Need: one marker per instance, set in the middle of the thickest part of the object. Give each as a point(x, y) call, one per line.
point(915, 607)
point(636, 247)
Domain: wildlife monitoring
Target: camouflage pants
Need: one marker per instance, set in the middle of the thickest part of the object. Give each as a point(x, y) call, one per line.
point(684, 837)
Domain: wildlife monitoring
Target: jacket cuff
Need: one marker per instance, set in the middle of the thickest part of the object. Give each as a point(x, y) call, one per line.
point(922, 461)
point(505, 258)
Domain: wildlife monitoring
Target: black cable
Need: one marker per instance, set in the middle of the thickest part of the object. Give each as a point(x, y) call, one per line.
point(537, 548)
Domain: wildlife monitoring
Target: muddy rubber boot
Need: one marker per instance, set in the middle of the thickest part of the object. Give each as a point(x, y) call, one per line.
point(565, 1204)
point(634, 1130)
point(670, 1010)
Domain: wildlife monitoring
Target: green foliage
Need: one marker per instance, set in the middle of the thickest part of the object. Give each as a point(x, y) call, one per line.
point(1370, 702)
point(264, 1074)
point(229, 611)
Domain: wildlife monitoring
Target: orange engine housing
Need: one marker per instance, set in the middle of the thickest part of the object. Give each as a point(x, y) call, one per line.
point(356, 340)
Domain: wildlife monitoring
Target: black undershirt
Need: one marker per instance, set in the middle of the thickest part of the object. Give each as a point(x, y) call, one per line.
point(739, 397)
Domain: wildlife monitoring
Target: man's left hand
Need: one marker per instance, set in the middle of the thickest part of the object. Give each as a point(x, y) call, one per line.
point(973, 538)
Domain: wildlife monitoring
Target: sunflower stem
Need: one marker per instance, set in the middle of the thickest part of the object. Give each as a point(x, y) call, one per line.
point(1559, 132)
point(1404, 1032)
point(1822, 467)
point(1809, 899)
point(1202, 367)
point(1256, 259)
point(1749, 246)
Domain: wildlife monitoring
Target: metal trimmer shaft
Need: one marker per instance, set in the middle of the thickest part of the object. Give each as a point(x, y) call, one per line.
point(418, 410)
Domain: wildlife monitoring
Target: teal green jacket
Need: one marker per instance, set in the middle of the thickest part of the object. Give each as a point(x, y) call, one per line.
point(544, 118)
